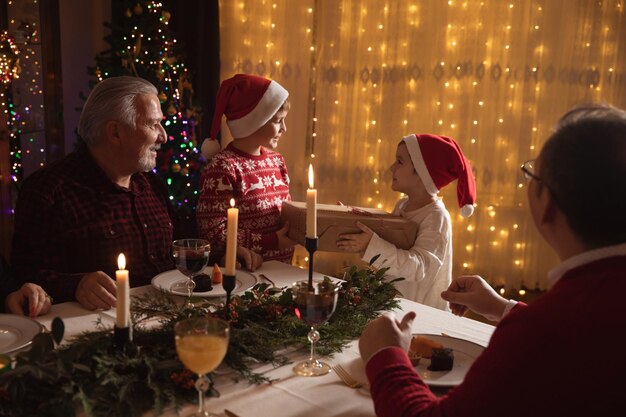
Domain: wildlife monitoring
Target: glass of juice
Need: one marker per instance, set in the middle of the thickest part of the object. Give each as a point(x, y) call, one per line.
point(201, 344)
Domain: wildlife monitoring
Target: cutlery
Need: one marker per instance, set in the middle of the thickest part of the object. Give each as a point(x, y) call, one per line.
point(230, 413)
point(263, 276)
point(346, 377)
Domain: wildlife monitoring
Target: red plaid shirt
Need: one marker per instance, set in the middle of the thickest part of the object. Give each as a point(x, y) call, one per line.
point(71, 219)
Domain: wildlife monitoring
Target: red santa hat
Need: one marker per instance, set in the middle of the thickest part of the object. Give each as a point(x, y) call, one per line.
point(248, 102)
point(438, 161)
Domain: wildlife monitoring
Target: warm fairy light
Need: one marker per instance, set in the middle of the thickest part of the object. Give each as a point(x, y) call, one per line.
point(396, 86)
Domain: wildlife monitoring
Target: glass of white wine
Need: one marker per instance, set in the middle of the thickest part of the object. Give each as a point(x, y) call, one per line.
point(201, 344)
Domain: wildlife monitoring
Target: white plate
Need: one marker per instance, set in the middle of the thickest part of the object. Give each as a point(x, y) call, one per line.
point(174, 282)
point(465, 353)
point(17, 332)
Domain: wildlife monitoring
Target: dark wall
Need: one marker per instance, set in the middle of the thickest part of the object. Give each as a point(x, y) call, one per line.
point(196, 24)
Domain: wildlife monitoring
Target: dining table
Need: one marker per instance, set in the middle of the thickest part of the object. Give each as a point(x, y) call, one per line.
point(289, 394)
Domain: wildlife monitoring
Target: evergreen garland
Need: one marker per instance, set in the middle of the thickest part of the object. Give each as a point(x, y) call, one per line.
point(89, 373)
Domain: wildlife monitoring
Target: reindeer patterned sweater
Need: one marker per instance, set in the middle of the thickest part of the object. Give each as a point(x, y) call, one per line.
point(259, 185)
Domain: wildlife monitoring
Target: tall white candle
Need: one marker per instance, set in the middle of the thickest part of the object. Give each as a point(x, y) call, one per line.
point(311, 207)
point(231, 239)
point(123, 293)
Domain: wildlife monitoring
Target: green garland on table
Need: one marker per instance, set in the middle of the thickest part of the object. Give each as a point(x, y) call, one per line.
point(89, 373)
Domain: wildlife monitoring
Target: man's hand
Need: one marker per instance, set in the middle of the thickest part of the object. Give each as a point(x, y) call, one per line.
point(96, 290)
point(473, 292)
point(30, 295)
point(386, 331)
point(356, 242)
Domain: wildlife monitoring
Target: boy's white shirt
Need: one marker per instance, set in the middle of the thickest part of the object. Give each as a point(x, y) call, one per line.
point(427, 266)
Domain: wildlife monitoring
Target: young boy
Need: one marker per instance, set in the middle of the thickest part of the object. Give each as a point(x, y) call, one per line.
point(249, 171)
point(424, 164)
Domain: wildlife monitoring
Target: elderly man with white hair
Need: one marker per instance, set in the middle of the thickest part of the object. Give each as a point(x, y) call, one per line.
point(74, 216)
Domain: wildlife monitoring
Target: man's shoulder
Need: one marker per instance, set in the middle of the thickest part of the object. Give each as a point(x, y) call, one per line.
point(53, 175)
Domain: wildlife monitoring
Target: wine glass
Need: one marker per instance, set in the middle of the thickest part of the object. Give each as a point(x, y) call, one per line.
point(201, 344)
point(315, 306)
point(190, 257)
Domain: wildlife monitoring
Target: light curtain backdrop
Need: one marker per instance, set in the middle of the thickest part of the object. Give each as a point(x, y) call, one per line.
point(493, 74)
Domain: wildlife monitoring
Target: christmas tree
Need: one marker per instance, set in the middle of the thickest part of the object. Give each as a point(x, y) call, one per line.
point(142, 45)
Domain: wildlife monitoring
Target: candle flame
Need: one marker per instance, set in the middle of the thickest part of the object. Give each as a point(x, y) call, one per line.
point(311, 176)
point(232, 202)
point(121, 261)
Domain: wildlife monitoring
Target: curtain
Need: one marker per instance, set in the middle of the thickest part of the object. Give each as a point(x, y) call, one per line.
point(495, 75)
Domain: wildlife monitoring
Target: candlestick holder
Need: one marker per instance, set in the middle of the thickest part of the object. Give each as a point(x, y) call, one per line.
point(122, 337)
point(310, 243)
point(228, 283)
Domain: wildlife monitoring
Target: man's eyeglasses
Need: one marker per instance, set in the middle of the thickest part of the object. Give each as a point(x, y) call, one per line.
point(528, 168)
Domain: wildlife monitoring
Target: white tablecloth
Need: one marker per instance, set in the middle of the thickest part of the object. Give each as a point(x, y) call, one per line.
point(291, 395)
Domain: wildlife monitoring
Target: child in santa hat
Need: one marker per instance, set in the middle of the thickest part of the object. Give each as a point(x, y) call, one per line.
point(248, 170)
point(424, 165)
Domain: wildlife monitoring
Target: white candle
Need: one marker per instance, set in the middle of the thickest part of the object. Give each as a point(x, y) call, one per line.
point(231, 239)
point(123, 293)
point(311, 207)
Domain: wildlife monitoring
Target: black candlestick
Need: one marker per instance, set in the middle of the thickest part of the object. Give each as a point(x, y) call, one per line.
point(228, 283)
point(310, 243)
point(122, 337)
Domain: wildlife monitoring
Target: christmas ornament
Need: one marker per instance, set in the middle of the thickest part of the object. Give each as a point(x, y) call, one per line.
point(171, 110)
point(166, 16)
point(138, 9)
point(176, 168)
point(162, 97)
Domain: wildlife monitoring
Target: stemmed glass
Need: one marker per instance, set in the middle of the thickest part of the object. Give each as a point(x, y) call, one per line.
point(201, 344)
point(190, 257)
point(315, 306)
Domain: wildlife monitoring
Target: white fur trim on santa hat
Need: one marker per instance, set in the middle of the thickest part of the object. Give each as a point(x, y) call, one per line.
point(272, 99)
point(209, 148)
point(467, 210)
point(418, 162)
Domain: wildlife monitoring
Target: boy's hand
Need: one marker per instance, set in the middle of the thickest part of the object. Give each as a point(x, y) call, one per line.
point(283, 241)
point(251, 260)
point(356, 242)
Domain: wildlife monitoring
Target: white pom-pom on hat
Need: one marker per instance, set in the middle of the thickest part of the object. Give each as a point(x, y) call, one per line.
point(209, 148)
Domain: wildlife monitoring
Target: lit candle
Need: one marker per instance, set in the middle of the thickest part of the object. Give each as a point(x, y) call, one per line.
point(123, 293)
point(311, 207)
point(231, 239)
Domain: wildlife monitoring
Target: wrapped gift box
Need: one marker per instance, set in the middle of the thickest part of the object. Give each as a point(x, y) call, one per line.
point(333, 220)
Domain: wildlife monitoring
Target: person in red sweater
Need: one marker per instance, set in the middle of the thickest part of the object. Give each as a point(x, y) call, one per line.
point(249, 171)
point(563, 354)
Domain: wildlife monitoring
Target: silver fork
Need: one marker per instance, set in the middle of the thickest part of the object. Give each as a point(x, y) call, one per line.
point(346, 377)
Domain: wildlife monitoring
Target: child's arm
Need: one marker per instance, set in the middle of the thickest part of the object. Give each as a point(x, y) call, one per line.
point(216, 190)
point(423, 260)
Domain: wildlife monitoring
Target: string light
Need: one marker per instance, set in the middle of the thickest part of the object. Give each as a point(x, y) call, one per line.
point(499, 98)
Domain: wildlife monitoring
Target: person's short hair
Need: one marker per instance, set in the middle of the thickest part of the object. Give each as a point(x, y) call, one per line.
point(112, 99)
point(583, 164)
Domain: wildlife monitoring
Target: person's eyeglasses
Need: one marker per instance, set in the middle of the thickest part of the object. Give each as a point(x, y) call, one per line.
point(528, 168)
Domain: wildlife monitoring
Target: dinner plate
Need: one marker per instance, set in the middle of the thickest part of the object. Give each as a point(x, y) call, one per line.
point(465, 353)
point(17, 332)
point(174, 282)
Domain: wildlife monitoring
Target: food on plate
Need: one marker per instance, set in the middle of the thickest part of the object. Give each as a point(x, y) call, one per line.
point(423, 346)
point(414, 358)
point(216, 276)
point(441, 360)
point(203, 283)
